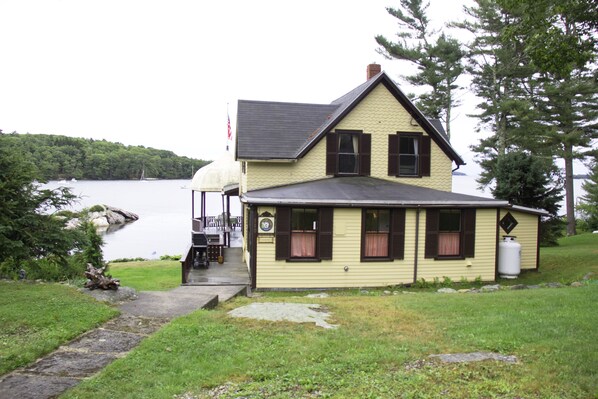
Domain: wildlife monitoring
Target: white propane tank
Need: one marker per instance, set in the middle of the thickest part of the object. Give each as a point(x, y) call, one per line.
point(509, 257)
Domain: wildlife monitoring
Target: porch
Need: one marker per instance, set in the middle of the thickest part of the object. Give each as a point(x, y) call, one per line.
point(231, 272)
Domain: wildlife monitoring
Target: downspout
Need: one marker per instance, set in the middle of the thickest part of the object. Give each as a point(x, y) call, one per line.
point(253, 252)
point(415, 258)
point(496, 249)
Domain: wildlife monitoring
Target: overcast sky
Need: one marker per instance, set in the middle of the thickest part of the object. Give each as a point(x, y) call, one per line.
point(162, 73)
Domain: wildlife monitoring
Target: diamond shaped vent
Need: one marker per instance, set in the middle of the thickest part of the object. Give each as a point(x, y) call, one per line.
point(508, 222)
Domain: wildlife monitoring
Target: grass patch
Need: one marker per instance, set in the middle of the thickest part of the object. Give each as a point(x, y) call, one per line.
point(572, 259)
point(37, 318)
point(552, 331)
point(155, 275)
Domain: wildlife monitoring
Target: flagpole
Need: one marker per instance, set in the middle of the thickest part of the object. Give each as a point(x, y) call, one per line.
point(228, 134)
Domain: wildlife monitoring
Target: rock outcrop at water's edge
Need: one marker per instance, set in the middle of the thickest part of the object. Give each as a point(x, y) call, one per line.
point(104, 216)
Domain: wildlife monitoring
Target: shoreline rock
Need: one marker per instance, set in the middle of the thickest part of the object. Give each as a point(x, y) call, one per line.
point(106, 218)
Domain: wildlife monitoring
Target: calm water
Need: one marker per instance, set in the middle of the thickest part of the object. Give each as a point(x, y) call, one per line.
point(164, 209)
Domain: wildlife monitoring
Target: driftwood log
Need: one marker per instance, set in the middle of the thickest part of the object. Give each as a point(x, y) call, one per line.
point(97, 279)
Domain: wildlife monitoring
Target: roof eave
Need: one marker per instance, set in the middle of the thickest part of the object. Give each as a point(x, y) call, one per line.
point(403, 99)
point(374, 203)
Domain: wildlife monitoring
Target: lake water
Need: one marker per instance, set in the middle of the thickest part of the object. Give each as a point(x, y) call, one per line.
point(164, 209)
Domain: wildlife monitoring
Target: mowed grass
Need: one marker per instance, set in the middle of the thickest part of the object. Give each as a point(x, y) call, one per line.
point(570, 261)
point(154, 275)
point(37, 318)
point(381, 347)
point(375, 353)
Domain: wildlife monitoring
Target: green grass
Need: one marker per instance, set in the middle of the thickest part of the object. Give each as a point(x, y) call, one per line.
point(552, 332)
point(155, 275)
point(37, 318)
point(572, 259)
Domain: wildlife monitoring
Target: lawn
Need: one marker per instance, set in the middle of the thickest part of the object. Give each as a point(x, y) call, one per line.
point(378, 349)
point(37, 318)
point(153, 275)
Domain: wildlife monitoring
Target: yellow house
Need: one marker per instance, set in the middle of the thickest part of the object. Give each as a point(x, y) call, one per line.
point(357, 193)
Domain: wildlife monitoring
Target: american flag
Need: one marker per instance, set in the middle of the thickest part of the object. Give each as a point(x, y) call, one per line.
point(230, 131)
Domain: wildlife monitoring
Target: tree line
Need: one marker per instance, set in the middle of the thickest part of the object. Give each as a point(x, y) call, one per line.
point(60, 157)
point(532, 66)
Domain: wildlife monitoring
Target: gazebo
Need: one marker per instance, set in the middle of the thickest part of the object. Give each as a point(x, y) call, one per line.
point(221, 176)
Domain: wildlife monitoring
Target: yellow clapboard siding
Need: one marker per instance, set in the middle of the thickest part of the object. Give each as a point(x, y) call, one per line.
point(482, 265)
point(526, 232)
point(346, 252)
point(380, 115)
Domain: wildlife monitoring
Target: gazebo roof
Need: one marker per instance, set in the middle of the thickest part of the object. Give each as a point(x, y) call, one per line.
point(214, 177)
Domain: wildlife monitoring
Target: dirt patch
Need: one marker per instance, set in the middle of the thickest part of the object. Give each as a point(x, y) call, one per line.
point(436, 360)
point(281, 311)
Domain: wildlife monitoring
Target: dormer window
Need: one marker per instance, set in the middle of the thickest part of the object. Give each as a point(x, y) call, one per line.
point(348, 153)
point(408, 155)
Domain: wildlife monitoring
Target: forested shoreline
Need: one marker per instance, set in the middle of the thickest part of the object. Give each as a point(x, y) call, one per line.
point(60, 157)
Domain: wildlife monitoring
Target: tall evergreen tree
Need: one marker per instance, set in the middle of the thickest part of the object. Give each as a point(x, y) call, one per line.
point(500, 78)
point(560, 40)
point(439, 61)
point(589, 202)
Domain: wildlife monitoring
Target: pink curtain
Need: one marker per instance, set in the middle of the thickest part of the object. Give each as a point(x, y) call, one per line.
point(448, 244)
point(303, 244)
point(376, 244)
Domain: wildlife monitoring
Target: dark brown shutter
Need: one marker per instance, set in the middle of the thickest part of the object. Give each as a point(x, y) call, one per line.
point(397, 234)
point(424, 156)
point(283, 233)
point(432, 216)
point(325, 233)
point(365, 154)
point(393, 155)
point(331, 153)
point(468, 232)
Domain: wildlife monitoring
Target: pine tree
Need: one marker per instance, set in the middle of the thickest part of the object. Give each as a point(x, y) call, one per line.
point(589, 202)
point(560, 39)
point(439, 62)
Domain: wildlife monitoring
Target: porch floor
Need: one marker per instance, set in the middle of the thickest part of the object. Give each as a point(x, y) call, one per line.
point(232, 272)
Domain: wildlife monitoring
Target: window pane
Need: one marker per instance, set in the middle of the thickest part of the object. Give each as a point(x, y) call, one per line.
point(348, 150)
point(449, 244)
point(303, 245)
point(450, 220)
point(345, 143)
point(347, 163)
point(376, 244)
point(304, 219)
point(408, 145)
point(408, 164)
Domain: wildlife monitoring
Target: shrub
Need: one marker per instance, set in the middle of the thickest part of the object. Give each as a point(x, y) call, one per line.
point(170, 257)
point(97, 208)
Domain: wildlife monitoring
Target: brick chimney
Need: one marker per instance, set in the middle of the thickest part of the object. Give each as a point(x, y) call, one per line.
point(373, 70)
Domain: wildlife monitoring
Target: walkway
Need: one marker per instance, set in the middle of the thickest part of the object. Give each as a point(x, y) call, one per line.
point(53, 374)
point(232, 272)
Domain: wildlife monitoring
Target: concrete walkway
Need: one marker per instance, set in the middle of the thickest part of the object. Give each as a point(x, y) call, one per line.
point(64, 368)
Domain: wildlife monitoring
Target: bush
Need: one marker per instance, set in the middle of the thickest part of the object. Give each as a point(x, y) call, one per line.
point(97, 208)
point(124, 260)
point(48, 269)
point(170, 257)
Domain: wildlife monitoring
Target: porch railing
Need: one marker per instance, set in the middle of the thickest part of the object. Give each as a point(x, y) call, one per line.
point(217, 222)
